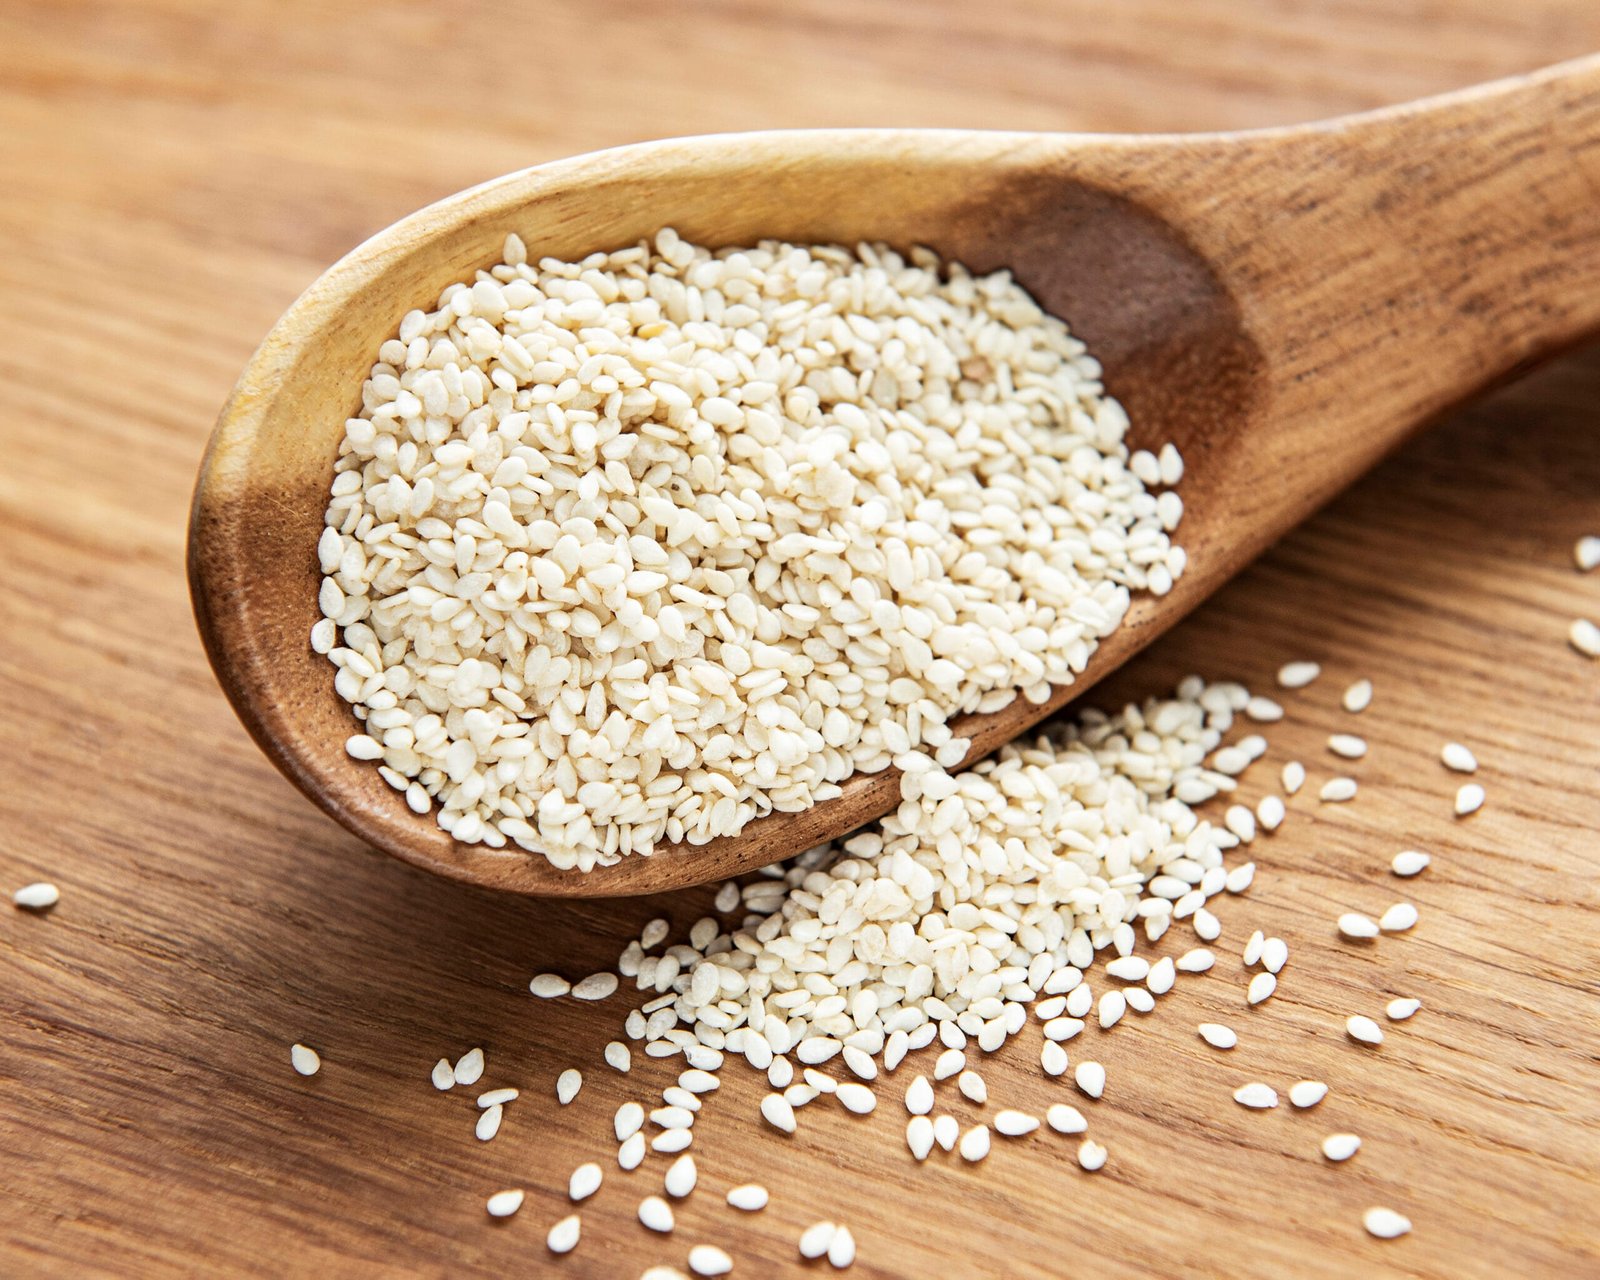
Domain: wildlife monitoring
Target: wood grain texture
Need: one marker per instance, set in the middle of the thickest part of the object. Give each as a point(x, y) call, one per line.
point(172, 174)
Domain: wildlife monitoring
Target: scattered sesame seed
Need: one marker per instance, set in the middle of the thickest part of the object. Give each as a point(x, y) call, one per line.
point(1307, 1093)
point(1218, 1036)
point(1091, 1155)
point(489, 1122)
point(567, 1085)
point(776, 1111)
point(629, 1120)
point(1256, 1095)
point(1052, 1058)
point(1586, 553)
point(1469, 799)
point(1014, 1124)
point(618, 1056)
point(1364, 1029)
point(861, 1100)
point(1458, 758)
point(469, 1067)
point(1242, 876)
point(728, 897)
point(656, 1214)
point(1297, 675)
point(40, 896)
point(584, 1182)
point(1400, 1009)
point(1338, 790)
point(1261, 988)
point(681, 1177)
point(1386, 1224)
point(1162, 976)
point(1206, 926)
point(975, 1143)
point(1079, 1001)
point(502, 1204)
point(597, 986)
point(945, 1131)
point(698, 1081)
point(1584, 636)
point(1358, 697)
point(842, 1249)
point(1347, 745)
point(751, 1197)
point(919, 1096)
point(816, 1238)
point(563, 1237)
point(1065, 1119)
point(495, 1097)
point(671, 1141)
point(708, 1260)
point(1293, 777)
point(1139, 1000)
point(1409, 862)
point(1113, 1004)
point(630, 1155)
point(950, 1062)
point(1197, 960)
point(1339, 1147)
point(1398, 918)
point(1270, 813)
point(547, 986)
point(444, 1076)
point(1263, 710)
point(1129, 968)
point(919, 1136)
point(304, 1059)
point(1355, 925)
point(1253, 948)
point(1091, 1078)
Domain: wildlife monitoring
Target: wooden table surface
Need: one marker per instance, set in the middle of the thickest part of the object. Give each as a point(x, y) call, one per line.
point(172, 173)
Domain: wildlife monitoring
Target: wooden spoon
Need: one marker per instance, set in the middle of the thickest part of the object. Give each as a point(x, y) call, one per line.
point(1286, 305)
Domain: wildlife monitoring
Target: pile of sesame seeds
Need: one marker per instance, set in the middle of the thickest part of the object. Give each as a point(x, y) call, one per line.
point(642, 547)
point(792, 975)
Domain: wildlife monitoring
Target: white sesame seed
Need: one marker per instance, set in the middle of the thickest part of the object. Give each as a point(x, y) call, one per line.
point(1091, 1078)
point(40, 896)
point(1253, 948)
point(1270, 813)
point(1584, 636)
point(750, 1197)
point(1400, 1009)
point(919, 1136)
point(1263, 710)
point(1469, 799)
point(842, 1249)
point(1197, 960)
point(469, 1067)
point(950, 1062)
point(1129, 968)
point(816, 1238)
point(671, 1141)
point(1256, 1095)
point(1297, 675)
point(975, 1143)
point(1338, 790)
point(563, 1237)
point(1052, 1058)
point(945, 1131)
point(496, 1097)
point(304, 1059)
point(777, 1112)
point(656, 1214)
point(444, 1076)
point(972, 1087)
point(1206, 926)
point(1059, 1029)
point(630, 1155)
point(1014, 1124)
point(1409, 862)
point(1139, 1000)
point(681, 1098)
point(1385, 1224)
point(1355, 925)
point(597, 986)
point(728, 897)
point(670, 1117)
point(1274, 955)
point(547, 986)
point(1586, 553)
point(1218, 1036)
point(1364, 1029)
point(584, 1182)
point(1339, 1147)
point(1065, 1119)
point(502, 1204)
point(708, 1260)
point(1458, 758)
point(1261, 988)
point(1398, 918)
point(1242, 876)
point(856, 1098)
point(697, 1081)
point(1347, 745)
point(1307, 1093)
point(681, 1176)
point(919, 1096)
point(1358, 697)
point(1091, 1155)
point(488, 1123)
point(1293, 777)
point(1113, 1004)
point(1079, 1001)
point(1162, 976)
point(567, 1085)
point(618, 1056)
point(629, 1120)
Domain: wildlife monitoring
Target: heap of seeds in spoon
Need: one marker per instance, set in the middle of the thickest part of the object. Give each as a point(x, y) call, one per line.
point(642, 547)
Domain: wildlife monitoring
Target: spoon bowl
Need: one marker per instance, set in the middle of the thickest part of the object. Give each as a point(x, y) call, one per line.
point(1285, 306)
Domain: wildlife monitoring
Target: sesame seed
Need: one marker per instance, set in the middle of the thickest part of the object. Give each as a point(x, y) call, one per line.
point(1263, 710)
point(40, 896)
point(1385, 1224)
point(1129, 968)
point(1091, 1155)
point(1586, 553)
point(618, 1056)
point(304, 1060)
point(1218, 1036)
point(1270, 813)
point(563, 1237)
point(1261, 988)
point(1458, 758)
point(945, 1131)
point(1162, 976)
point(1584, 636)
point(547, 986)
point(975, 1143)
point(697, 1081)
point(1297, 675)
point(681, 1176)
point(1355, 925)
point(1358, 697)
point(1206, 926)
point(1469, 799)
point(629, 1120)
point(1014, 1124)
point(708, 1260)
point(776, 1111)
point(1364, 1029)
point(488, 1123)
point(1274, 955)
point(1242, 876)
point(1307, 1093)
point(469, 1067)
point(816, 1238)
point(656, 1214)
point(1139, 1000)
point(1253, 948)
point(444, 1076)
point(1293, 777)
point(671, 1141)
point(750, 1197)
point(858, 1098)
point(1091, 1078)
point(1398, 918)
point(1347, 745)
point(919, 1136)
point(1052, 1058)
point(1079, 1001)
point(670, 1117)
point(842, 1249)
point(496, 1097)
point(502, 1204)
point(1113, 1004)
point(1409, 862)
point(630, 1155)
point(1339, 1147)
point(1256, 1095)
point(951, 1062)
point(919, 1096)
point(597, 986)
point(1338, 790)
point(584, 1182)
point(1399, 1010)
point(567, 1085)
point(1065, 1119)
point(1197, 960)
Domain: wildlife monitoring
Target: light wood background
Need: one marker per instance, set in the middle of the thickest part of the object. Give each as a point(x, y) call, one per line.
point(171, 174)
